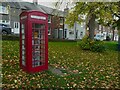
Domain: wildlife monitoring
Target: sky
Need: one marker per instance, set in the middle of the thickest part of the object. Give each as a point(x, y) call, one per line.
point(51, 3)
point(43, 2)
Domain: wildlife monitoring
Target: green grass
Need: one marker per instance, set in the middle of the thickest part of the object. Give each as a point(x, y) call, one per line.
point(111, 45)
point(83, 69)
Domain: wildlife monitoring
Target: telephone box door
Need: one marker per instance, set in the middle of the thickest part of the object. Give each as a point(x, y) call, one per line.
point(38, 45)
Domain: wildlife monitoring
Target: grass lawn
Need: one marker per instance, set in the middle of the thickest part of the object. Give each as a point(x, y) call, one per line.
point(82, 69)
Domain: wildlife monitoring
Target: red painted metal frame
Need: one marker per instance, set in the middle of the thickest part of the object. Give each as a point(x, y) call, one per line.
point(28, 40)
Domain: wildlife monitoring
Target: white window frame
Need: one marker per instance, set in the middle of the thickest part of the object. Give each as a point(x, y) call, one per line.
point(61, 21)
point(5, 21)
point(49, 19)
point(71, 32)
point(16, 25)
point(3, 10)
point(49, 31)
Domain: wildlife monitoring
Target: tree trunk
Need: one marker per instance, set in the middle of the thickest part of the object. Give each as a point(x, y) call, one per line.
point(119, 34)
point(91, 26)
point(119, 41)
point(113, 34)
point(118, 26)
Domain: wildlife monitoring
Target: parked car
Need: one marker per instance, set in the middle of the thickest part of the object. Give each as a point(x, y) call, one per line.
point(5, 29)
point(99, 37)
point(108, 38)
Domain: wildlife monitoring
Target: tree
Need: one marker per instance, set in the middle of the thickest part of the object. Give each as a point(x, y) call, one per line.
point(94, 11)
point(102, 12)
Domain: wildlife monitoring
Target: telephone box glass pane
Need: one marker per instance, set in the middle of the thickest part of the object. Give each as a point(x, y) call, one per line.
point(23, 44)
point(23, 36)
point(38, 44)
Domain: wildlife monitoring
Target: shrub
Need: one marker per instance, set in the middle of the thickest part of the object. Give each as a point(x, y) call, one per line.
point(98, 46)
point(85, 43)
point(88, 44)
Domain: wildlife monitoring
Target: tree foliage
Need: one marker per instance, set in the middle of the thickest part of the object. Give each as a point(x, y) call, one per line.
point(104, 12)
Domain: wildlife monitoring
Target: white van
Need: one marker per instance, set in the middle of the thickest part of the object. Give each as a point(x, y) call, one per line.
point(99, 37)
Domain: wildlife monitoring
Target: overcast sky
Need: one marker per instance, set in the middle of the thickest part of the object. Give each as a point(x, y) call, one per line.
point(43, 2)
point(51, 3)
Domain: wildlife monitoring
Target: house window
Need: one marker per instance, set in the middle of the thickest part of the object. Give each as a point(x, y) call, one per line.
point(81, 33)
point(16, 25)
point(3, 21)
point(49, 30)
point(3, 10)
point(82, 24)
point(61, 21)
point(71, 32)
point(65, 33)
point(76, 34)
point(7, 21)
point(49, 19)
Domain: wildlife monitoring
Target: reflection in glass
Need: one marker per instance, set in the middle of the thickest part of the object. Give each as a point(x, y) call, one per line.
point(36, 55)
point(22, 31)
point(23, 26)
point(23, 36)
point(38, 36)
point(23, 52)
point(36, 41)
point(23, 47)
point(23, 42)
point(35, 47)
point(23, 58)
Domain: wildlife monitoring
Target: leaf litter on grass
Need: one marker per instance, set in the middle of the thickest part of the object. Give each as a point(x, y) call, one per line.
point(82, 68)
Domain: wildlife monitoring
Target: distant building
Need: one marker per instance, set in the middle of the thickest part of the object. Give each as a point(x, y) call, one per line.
point(107, 31)
point(10, 11)
point(78, 31)
point(57, 29)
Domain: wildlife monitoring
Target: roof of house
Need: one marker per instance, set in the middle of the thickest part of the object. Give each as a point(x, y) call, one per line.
point(44, 9)
point(11, 3)
point(32, 6)
point(51, 11)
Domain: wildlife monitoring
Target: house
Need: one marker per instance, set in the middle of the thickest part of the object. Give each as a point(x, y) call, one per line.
point(11, 10)
point(78, 31)
point(107, 31)
point(55, 22)
point(57, 29)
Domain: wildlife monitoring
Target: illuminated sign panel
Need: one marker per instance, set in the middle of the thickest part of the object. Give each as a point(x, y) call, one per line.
point(38, 17)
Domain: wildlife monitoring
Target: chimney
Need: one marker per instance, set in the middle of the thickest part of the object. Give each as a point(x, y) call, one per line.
point(35, 2)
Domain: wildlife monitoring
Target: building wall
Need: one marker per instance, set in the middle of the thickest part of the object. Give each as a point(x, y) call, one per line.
point(4, 15)
point(56, 28)
point(77, 32)
point(14, 14)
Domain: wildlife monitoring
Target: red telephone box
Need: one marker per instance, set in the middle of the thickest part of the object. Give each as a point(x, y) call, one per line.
point(33, 41)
